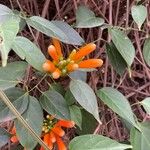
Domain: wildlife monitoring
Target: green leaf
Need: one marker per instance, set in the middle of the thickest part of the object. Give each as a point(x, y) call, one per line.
point(34, 117)
point(146, 104)
point(85, 96)
point(56, 29)
point(4, 137)
point(96, 142)
point(76, 115)
point(85, 18)
point(58, 87)
point(29, 51)
point(141, 140)
point(5, 13)
point(54, 103)
point(78, 75)
point(123, 45)
point(115, 58)
point(12, 74)
point(146, 51)
point(18, 98)
point(118, 103)
point(69, 97)
point(139, 14)
point(8, 32)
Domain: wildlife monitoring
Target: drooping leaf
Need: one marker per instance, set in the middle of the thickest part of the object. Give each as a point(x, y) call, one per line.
point(5, 13)
point(76, 115)
point(12, 74)
point(85, 18)
point(34, 117)
point(139, 14)
point(29, 51)
point(141, 140)
point(115, 58)
point(96, 142)
point(54, 103)
point(8, 32)
point(56, 29)
point(146, 51)
point(85, 96)
point(19, 100)
point(4, 137)
point(146, 104)
point(79, 75)
point(123, 45)
point(118, 103)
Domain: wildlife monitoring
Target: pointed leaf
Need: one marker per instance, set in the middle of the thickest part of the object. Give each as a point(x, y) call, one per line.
point(4, 137)
point(56, 29)
point(118, 103)
point(19, 100)
point(123, 45)
point(34, 117)
point(146, 104)
point(146, 51)
point(29, 51)
point(85, 18)
point(54, 103)
point(12, 74)
point(141, 140)
point(139, 14)
point(115, 58)
point(85, 96)
point(76, 115)
point(96, 142)
point(8, 32)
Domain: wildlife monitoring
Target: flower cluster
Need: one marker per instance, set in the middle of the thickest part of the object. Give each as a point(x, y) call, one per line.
point(53, 132)
point(59, 66)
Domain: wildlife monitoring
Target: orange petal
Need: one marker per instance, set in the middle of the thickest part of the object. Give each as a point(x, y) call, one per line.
point(60, 144)
point(14, 139)
point(46, 138)
point(58, 130)
point(52, 137)
point(42, 148)
point(72, 67)
point(53, 53)
point(56, 74)
point(91, 63)
point(13, 131)
point(72, 54)
point(57, 46)
point(66, 123)
point(48, 66)
point(83, 51)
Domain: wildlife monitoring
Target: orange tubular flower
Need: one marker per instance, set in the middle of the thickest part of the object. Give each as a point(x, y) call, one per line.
point(52, 137)
point(66, 123)
point(53, 53)
point(58, 130)
point(83, 51)
point(72, 67)
point(56, 74)
point(14, 138)
point(60, 143)
point(57, 46)
point(48, 66)
point(91, 63)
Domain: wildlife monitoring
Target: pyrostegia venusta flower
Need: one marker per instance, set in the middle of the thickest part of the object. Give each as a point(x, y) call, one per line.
point(53, 132)
point(14, 138)
point(59, 66)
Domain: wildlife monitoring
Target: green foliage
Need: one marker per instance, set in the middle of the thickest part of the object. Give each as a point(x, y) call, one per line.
point(146, 104)
point(139, 14)
point(79, 75)
point(146, 51)
point(4, 137)
point(96, 142)
point(29, 51)
point(85, 18)
point(115, 58)
point(34, 117)
point(118, 103)
point(85, 96)
point(8, 32)
point(123, 45)
point(54, 103)
point(11, 75)
point(140, 139)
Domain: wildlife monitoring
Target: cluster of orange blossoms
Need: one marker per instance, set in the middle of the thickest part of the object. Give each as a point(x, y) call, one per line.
point(52, 132)
point(59, 66)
